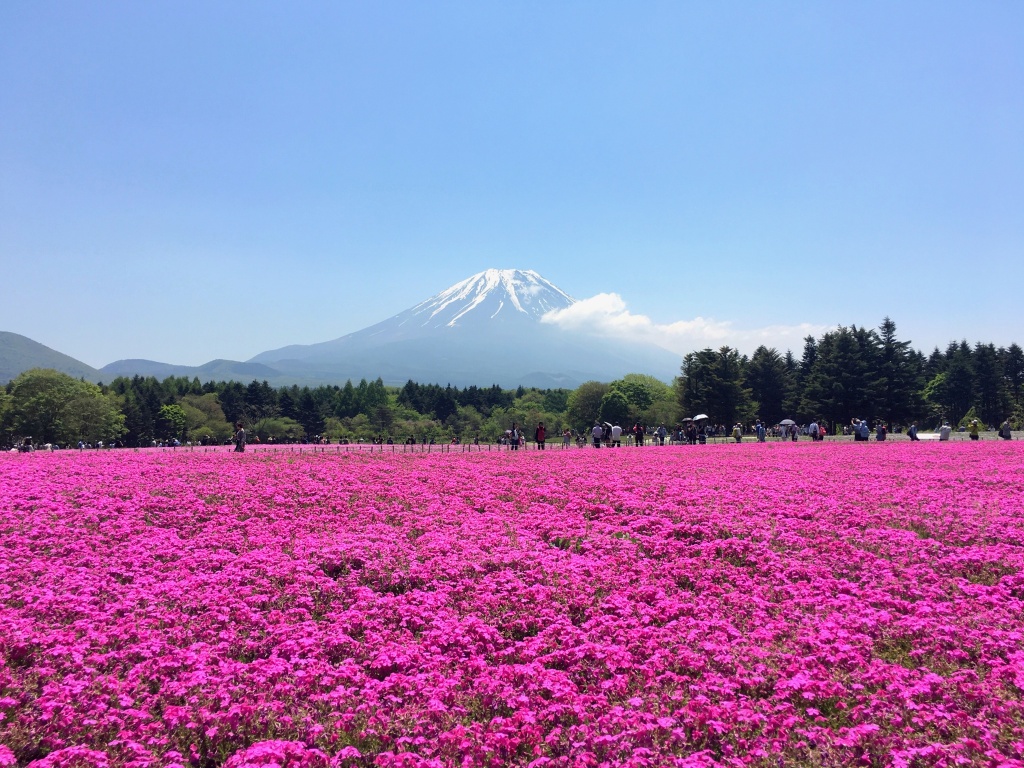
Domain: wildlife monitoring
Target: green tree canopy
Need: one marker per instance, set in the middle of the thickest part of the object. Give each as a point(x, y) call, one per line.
point(584, 404)
point(171, 422)
point(615, 408)
point(52, 407)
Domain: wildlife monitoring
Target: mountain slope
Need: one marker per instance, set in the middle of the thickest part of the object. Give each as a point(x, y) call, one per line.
point(20, 353)
point(494, 302)
point(484, 330)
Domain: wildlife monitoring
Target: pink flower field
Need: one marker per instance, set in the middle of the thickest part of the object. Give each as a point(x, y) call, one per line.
point(765, 605)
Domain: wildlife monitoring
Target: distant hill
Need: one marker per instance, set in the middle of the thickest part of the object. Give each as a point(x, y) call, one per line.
point(215, 370)
point(19, 354)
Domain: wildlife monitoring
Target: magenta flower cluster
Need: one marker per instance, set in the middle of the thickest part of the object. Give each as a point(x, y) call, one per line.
point(761, 605)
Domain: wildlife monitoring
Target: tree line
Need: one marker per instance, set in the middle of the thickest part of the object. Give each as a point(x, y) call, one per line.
point(848, 373)
point(862, 373)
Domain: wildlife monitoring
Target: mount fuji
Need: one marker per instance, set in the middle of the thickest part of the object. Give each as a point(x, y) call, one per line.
point(484, 330)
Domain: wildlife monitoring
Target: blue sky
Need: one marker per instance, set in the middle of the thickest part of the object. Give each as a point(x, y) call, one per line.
point(184, 181)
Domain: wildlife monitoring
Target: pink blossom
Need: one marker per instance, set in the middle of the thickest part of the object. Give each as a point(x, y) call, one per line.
point(770, 604)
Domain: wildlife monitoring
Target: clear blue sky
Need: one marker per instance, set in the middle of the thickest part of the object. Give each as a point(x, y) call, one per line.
point(184, 181)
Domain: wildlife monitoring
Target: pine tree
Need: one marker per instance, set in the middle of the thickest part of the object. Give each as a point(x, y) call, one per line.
point(990, 398)
point(713, 382)
point(1013, 373)
point(897, 381)
point(840, 386)
point(769, 384)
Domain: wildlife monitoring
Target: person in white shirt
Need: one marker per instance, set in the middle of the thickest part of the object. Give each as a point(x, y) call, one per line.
point(945, 430)
point(616, 436)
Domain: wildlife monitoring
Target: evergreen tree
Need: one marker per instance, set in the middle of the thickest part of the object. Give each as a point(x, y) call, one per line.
point(232, 400)
point(990, 398)
point(935, 364)
point(286, 404)
point(310, 416)
point(791, 402)
point(897, 378)
point(769, 384)
point(951, 392)
point(345, 406)
point(1013, 373)
point(140, 427)
point(802, 375)
point(442, 403)
point(260, 401)
point(371, 396)
point(712, 382)
point(839, 386)
point(696, 382)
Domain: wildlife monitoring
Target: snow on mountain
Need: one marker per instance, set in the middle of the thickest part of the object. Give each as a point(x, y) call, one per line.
point(483, 330)
point(491, 292)
point(492, 304)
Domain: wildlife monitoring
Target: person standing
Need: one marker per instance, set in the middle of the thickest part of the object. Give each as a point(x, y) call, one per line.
point(812, 430)
point(540, 436)
point(737, 432)
point(944, 431)
point(1005, 431)
point(973, 429)
point(759, 429)
point(239, 438)
point(638, 434)
point(514, 437)
point(597, 432)
point(616, 435)
point(566, 437)
point(912, 432)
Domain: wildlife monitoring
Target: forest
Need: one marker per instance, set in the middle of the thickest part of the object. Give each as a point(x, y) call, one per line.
point(849, 372)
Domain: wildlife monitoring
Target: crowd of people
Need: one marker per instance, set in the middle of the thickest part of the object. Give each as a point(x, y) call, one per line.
point(613, 435)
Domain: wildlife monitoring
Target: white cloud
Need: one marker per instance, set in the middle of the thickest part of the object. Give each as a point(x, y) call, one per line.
point(606, 314)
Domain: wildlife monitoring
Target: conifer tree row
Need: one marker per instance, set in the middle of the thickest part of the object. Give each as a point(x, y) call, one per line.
point(855, 372)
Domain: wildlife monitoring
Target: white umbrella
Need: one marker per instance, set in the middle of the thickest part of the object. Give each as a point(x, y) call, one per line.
point(787, 423)
point(701, 417)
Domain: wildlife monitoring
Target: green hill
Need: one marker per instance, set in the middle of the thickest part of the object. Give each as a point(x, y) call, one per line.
point(19, 353)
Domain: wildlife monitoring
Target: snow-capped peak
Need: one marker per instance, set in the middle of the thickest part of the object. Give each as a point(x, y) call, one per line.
point(492, 291)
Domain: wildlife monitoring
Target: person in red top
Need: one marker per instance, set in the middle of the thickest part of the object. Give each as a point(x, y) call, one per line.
point(638, 434)
point(540, 435)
